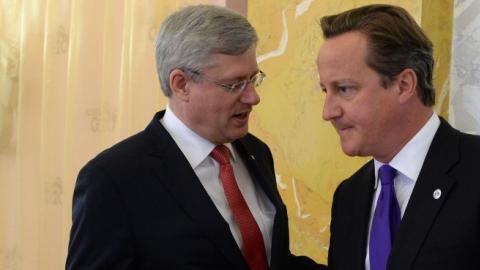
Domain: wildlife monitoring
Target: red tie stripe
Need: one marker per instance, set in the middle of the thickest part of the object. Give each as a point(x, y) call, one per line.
point(253, 246)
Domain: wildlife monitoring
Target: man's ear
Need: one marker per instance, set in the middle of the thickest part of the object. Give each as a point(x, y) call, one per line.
point(179, 84)
point(407, 85)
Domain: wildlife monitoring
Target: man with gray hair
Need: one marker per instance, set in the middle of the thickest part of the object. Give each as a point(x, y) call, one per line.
point(194, 190)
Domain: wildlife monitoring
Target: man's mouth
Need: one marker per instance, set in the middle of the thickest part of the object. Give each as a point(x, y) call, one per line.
point(341, 127)
point(241, 116)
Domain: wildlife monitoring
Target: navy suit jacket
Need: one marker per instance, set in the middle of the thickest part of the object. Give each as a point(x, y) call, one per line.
point(440, 234)
point(139, 205)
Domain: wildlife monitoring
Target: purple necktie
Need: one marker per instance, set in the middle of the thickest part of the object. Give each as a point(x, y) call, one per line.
point(386, 220)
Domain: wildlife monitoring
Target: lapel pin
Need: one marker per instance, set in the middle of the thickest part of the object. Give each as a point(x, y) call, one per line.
point(437, 193)
point(252, 157)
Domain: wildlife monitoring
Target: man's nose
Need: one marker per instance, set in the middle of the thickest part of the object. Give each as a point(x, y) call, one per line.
point(250, 95)
point(331, 108)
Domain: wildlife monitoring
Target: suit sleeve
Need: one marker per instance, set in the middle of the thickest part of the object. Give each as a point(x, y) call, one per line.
point(305, 263)
point(333, 225)
point(100, 237)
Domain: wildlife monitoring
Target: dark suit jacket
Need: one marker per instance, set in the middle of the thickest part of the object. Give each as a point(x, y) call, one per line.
point(139, 205)
point(435, 234)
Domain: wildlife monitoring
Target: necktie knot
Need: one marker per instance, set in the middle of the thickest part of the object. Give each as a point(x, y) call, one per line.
point(386, 174)
point(221, 154)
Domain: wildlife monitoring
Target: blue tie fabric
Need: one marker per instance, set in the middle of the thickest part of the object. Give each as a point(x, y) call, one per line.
point(386, 220)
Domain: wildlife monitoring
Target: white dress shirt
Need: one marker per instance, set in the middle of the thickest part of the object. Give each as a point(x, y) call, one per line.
point(196, 150)
point(408, 163)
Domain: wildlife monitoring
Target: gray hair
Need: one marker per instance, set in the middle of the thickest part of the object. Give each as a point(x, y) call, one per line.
point(188, 38)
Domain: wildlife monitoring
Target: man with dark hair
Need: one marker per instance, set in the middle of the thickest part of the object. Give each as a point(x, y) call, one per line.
point(416, 204)
point(194, 190)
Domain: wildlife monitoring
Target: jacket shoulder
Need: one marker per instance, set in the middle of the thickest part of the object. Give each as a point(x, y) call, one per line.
point(361, 177)
point(125, 151)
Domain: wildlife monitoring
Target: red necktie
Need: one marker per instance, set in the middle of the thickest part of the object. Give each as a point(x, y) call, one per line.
point(252, 239)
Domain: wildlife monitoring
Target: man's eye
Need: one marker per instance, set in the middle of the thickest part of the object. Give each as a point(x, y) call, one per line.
point(346, 91)
point(237, 85)
point(343, 89)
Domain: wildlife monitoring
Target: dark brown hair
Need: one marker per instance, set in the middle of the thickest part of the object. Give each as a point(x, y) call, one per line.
point(395, 42)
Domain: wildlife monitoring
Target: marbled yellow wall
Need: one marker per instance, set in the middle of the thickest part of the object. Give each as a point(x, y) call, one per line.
point(76, 76)
point(437, 20)
point(308, 158)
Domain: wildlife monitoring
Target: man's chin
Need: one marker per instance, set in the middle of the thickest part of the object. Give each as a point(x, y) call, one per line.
point(350, 151)
point(355, 153)
point(239, 134)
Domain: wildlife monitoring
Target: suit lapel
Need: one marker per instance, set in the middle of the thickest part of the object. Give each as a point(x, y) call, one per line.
point(176, 175)
point(260, 176)
point(258, 168)
point(423, 208)
point(362, 204)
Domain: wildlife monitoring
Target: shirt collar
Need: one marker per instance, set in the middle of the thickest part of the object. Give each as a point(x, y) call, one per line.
point(193, 146)
point(409, 160)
